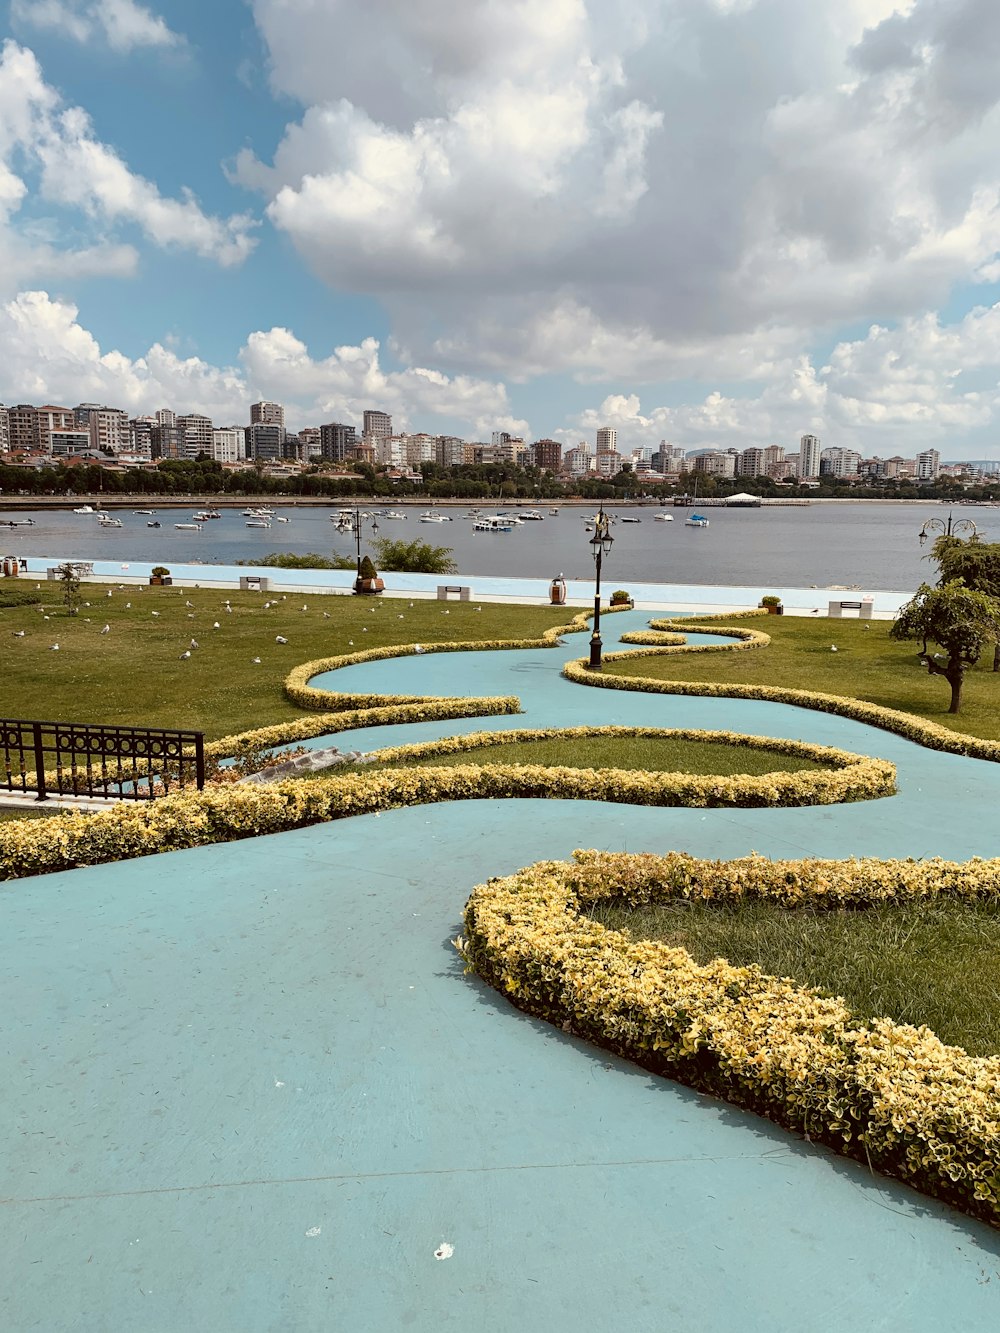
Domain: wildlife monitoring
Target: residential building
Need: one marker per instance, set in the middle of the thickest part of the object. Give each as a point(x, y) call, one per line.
point(267, 414)
point(750, 462)
point(774, 454)
point(264, 441)
point(420, 448)
point(165, 417)
point(81, 414)
point(576, 461)
point(21, 428)
point(376, 426)
point(166, 440)
point(65, 443)
point(608, 463)
point(928, 465)
point(229, 444)
point(48, 419)
point(4, 430)
point(809, 452)
point(607, 440)
point(140, 436)
point(109, 430)
point(547, 455)
point(337, 441)
point(449, 451)
point(839, 463)
point(715, 463)
point(198, 434)
point(390, 452)
point(311, 445)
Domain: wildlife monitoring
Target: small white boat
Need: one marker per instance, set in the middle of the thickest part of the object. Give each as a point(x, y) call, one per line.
point(142, 511)
point(155, 524)
point(393, 513)
point(494, 524)
point(202, 517)
point(434, 518)
point(696, 521)
point(106, 521)
point(553, 513)
point(631, 520)
point(280, 518)
point(188, 527)
point(531, 516)
point(258, 523)
point(84, 509)
point(663, 518)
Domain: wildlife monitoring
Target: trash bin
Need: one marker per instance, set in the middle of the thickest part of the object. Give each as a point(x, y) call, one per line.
point(557, 591)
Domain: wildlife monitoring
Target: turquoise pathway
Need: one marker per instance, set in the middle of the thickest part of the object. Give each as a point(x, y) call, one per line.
point(248, 1087)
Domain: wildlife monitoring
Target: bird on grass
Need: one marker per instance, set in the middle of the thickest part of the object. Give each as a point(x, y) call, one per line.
point(189, 603)
point(128, 606)
point(267, 606)
point(326, 615)
point(186, 653)
point(193, 643)
point(229, 609)
point(18, 633)
point(256, 661)
point(305, 608)
point(280, 638)
point(109, 592)
point(833, 647)
point(106, 629)
point(154, 613)
point(54, 648)
point(216, 625)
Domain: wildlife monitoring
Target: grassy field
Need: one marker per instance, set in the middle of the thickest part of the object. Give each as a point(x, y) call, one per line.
point(647, 754)
point(867, 665)
point(933, 963)
point(134, 674)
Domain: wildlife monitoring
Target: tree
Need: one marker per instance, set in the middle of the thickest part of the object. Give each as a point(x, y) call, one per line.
point(69, 576)
point(961, 620)
point(976, 563)
point(414, 557)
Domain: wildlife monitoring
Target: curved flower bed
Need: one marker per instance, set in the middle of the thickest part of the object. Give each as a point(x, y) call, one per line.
point(891, 1095)
point(665, 636)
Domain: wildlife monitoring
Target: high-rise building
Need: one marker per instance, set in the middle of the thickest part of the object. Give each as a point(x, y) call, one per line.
point(750, 463)
point(66, 443)
point(809, 452)
point(608, 463)
point(48, 419)
point(166, 440)
point(310, 438)
point(21, 427)
point(577, 461)
point(4, 430)
point(607, 440)
point(267, 414)
point(165, 417)
point(198, 434)
point(337, 441)
point(449, 451)
point(376, 425)
point(548, 455)
point(838, 462)
point(140, 436)
point(264, 441)
point(420, 449)
point(229, 444)
point(109, 430)
point(715, 463)
point(928, 465)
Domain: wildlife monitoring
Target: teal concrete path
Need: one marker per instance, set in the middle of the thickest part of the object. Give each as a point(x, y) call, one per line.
point(248, 1087)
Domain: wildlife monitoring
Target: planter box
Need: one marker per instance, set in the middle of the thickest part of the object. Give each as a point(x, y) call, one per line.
point(156, 581)
point(368, 587)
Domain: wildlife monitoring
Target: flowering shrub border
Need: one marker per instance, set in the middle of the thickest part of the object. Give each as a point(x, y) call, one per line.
point(888, 1094)
point(846, 777)
point(665, 635)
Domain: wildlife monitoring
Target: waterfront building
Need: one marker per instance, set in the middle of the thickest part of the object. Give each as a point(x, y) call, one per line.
point(69, 443)
point(229, 444)
point(750, 462)
point(547, 455)
point(928, 465)
point(839, 463)
point(576, 461)
point(608, 463)
point(267, 414)
point(165, 417)
point(140, 437)
point(809, 456)
point(166, 440)
point(311, 442)
point(376, 426)
point(198, 434)
point(607, 440)
point(4, 430)
point(337, 441)
point(264, 441)
point(420, 448)
point(449, 451)
point(716, 463)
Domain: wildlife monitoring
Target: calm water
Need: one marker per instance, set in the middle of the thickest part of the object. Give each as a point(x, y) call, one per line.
point(871, 545)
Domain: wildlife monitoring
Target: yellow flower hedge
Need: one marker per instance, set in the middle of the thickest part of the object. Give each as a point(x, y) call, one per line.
point(888, 1094)
point(664, 635)
point(221, 814)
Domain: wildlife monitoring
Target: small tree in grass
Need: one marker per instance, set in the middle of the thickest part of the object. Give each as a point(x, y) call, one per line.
point(961, 620)
point(69, 577)
point(976, 563)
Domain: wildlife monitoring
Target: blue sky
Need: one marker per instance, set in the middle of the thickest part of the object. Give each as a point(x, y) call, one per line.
point(717, 222)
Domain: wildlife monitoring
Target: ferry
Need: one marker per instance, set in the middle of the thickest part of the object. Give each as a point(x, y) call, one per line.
point(494, 523)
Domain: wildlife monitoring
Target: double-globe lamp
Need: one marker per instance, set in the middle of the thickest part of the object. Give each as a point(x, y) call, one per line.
point(600, 544)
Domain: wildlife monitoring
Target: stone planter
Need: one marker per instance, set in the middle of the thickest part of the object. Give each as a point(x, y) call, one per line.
point(368, 587)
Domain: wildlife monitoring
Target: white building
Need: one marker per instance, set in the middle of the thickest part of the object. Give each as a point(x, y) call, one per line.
point(577, 461)
point(449, 451)
point(228, 444)
point(928, 465)
point(607, 440)
point(750, 463)
point(809, 456)
point(839, 462)
point(716, 464)
point(609, 463)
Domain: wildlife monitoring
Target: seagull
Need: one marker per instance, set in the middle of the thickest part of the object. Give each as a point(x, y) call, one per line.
point(45, 617)
point(479, 608)
point(229, 608)
point(833, 647)
point(193, 643)
point(216, 625)
point(154, 613)
point(305, 608)
point(280, 638)
point(189, 603)
point(18, 633)
point(256, 661)
point(186, 653)
point(417, 648)
point(106, 629)
point(364, 629)
point(326, 615)
point(446, 613)
point(267, 606)
point(350, 643)
point(54, 648)
point(128, 606)
point(401, 617)
point(109, 592)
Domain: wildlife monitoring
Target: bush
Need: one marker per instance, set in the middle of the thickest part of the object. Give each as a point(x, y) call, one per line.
point(12, 595)
point(367, 570)
point(159, 572)
point(311, 560)
point(770, 600)
point(416, 557)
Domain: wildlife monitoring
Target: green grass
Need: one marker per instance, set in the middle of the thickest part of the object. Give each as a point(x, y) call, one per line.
point(653, 756)
point(11, 812)
point(135, 675)
point(937, 963)
point(867, 665)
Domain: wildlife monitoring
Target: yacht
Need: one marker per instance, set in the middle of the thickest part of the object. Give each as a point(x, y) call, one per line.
point(434, 518)
point(394, 513)
point(155, 524)
point(188, 527)
point(696, 521)
point(631, 520)
point(663, 518)
point(531, 516)
point(106, 521)
point(142, 511)
point(85, 509)
point(259, 522)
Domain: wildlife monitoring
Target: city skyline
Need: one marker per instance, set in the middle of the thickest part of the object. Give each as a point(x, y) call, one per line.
point(719, 229)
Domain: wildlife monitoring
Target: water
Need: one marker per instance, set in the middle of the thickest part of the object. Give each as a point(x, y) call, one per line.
point(868, 545)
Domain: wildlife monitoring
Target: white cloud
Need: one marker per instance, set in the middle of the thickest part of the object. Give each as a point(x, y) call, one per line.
point(707, 174)
point(40, 136)
point(46, 355)
point(123, 25)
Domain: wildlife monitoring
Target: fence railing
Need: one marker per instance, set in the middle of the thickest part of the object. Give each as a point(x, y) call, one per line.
point(75, 759)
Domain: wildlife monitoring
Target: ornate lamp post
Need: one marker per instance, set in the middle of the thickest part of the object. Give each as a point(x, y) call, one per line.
point(600, 544)
point(949, 529)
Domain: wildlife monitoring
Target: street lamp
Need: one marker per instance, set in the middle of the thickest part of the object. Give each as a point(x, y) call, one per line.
point(600, 544)
point(357, 523)
point(949, 529)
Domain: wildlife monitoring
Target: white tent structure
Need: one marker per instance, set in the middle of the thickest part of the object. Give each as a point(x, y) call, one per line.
point(747, 501)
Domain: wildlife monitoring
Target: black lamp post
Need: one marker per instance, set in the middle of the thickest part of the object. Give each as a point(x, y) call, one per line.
point(600, 544)
point(949, 529)
point(357, 524)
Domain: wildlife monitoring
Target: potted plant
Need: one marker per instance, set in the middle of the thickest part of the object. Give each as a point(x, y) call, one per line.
point(773, 604)
point(160, 574)
point(621, 598)
point(368, 582)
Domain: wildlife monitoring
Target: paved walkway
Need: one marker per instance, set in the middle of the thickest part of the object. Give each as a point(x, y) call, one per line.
point(249, 1088)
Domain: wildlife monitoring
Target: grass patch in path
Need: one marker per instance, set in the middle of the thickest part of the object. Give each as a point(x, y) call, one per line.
point(867, 665)
point(937, 964)
point(135, 675)
point(646, 754)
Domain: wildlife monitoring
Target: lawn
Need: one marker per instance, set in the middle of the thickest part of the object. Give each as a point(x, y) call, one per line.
point(134, 674)
point(867, 665)
point(934, 963)
point(644, 753)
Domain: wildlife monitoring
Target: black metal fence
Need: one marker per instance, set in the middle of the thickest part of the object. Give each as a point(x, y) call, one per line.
point(73, 759)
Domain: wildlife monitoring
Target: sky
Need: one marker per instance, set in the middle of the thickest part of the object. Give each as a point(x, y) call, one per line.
point(713, 222)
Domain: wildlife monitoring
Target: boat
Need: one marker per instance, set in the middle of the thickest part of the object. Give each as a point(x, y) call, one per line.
point(155, 524)
point(106, 521)
point(84, 509)
point(553, 513)
point(434, 518)
point(142, 511)
point(258, 523)
point(696, 521)
point(531, 516)
point(496, 523)
point(201, 516)
point(393, 513)
point(663, 518)
point(631, 520)
point(280, 518)
point(261, 511)
point(188, 527)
